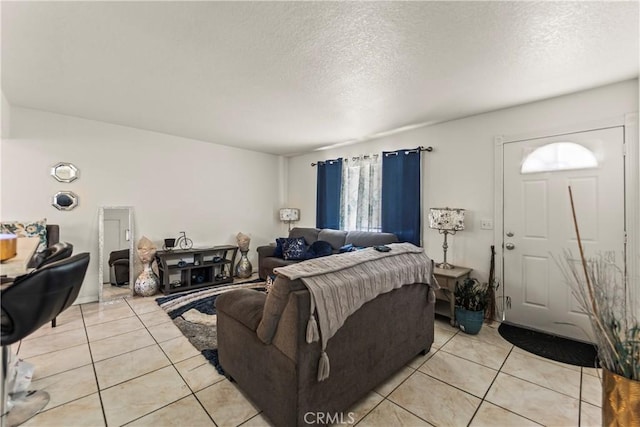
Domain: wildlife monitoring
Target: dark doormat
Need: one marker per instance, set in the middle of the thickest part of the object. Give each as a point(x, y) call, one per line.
point(550, 346)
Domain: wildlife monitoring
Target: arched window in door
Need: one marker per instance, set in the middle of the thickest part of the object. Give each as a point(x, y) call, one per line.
point(559, 156)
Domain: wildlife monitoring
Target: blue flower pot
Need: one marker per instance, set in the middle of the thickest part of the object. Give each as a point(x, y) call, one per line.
point(469, 322)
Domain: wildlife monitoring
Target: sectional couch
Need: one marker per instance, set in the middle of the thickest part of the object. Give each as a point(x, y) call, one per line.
point(263, 346)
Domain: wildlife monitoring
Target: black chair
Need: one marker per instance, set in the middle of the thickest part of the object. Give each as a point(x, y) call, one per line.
point(53, 253)
point(53, 237)
point(30, 302)
point(119, 267)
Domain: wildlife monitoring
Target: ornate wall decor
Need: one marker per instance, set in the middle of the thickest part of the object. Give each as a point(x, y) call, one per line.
point(65, 200)
point(65, 172)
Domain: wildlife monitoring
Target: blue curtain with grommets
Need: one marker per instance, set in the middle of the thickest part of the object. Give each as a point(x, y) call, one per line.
point(401, 194)
point(329, 184)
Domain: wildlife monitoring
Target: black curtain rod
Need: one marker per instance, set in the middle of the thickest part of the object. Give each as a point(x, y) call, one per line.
point(395, 153)
point(415, 150)
point(326, 161)
point(366, 156)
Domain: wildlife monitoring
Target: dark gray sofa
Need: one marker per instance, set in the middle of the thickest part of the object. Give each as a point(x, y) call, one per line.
point(337, 238)
point(262, 346)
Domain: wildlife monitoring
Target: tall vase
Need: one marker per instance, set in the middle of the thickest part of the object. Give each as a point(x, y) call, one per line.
point(147, 283)
point(244, 268)
point(620, 400)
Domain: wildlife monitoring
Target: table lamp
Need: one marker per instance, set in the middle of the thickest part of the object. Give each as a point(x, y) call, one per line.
point(446, 221)
point(289, 215)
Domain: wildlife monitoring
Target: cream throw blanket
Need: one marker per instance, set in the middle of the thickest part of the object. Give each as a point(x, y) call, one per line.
point(340, 284)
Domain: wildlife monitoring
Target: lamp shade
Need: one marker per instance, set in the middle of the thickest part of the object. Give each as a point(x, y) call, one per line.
point(451, 219)
point(289, 214)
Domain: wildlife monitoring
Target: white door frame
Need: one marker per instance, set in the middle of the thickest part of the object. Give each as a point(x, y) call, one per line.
point(632, 194)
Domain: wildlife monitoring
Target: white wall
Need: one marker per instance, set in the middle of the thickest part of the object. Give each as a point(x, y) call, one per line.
point(460, 171)
point(5, 113)
point(210, 191)
point(214, 191)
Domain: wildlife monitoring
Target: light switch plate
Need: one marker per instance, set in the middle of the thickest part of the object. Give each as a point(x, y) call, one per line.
point(486, 224)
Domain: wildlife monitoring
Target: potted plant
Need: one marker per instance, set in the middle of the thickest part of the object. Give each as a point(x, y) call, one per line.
point(472, 297)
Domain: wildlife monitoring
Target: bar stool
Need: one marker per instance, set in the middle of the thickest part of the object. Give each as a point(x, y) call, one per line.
point(30, 302)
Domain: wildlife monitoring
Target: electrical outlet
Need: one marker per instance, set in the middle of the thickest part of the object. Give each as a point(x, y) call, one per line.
point(486, 224)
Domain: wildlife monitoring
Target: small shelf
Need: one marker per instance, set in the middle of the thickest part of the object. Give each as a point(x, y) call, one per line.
point(199, 269)
point(182, 288)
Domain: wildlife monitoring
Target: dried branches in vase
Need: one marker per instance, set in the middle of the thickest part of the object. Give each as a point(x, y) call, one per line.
point(243, 242)
point(603, 293)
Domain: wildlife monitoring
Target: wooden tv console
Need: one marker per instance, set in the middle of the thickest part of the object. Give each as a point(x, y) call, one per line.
point(185, 269)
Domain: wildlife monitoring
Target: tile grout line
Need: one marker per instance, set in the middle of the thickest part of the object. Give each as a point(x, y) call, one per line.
point(193, 393)
point(414, 370)
point(418, 370)
point(403, 381)
point(246, 421)
point(483, 398)
point(580, 398)
point(513, 376)
point(540, 385)
point(93, 366)
point(93, 363)
point(135, 314)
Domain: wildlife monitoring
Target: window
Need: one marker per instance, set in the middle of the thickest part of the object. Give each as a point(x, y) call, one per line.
point(360, 206)
point(559, 156)
point(372, 193)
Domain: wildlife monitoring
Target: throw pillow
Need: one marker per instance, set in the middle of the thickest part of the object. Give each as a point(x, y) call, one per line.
point(318, 249)
point(347, 248)
point(278, 251)
point(269, 283)
point(28, 229)
point(294, 249)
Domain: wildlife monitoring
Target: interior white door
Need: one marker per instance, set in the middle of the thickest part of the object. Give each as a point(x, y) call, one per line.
point(538, 226)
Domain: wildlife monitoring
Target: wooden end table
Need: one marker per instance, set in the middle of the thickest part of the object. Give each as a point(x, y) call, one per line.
point(448, 278)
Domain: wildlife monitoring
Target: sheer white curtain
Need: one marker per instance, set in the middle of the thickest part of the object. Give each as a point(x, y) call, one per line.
point(360, 206)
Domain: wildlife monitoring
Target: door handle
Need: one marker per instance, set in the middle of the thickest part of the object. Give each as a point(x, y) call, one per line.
point(510, 246)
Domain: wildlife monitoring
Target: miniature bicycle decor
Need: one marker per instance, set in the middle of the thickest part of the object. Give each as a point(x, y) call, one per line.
point(182, 242)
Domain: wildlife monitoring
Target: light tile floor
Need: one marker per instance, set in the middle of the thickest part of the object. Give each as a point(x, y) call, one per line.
point(124, 362)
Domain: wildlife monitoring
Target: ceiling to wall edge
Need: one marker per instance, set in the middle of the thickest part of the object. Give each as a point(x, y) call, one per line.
point(329, 145)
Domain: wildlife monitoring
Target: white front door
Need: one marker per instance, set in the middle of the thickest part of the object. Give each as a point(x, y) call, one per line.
point(538, 224)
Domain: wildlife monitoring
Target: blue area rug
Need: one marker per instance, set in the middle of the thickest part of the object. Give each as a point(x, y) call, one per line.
point(194, 314)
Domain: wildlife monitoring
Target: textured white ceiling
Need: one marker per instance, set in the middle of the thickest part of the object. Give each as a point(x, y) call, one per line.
point(288, 77)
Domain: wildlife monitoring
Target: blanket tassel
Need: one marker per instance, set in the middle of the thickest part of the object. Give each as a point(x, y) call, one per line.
point(312, 330)
point(431, 297)
point(323, 367)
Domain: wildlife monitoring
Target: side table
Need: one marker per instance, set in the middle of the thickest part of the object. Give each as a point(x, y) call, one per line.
point(448, 278)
